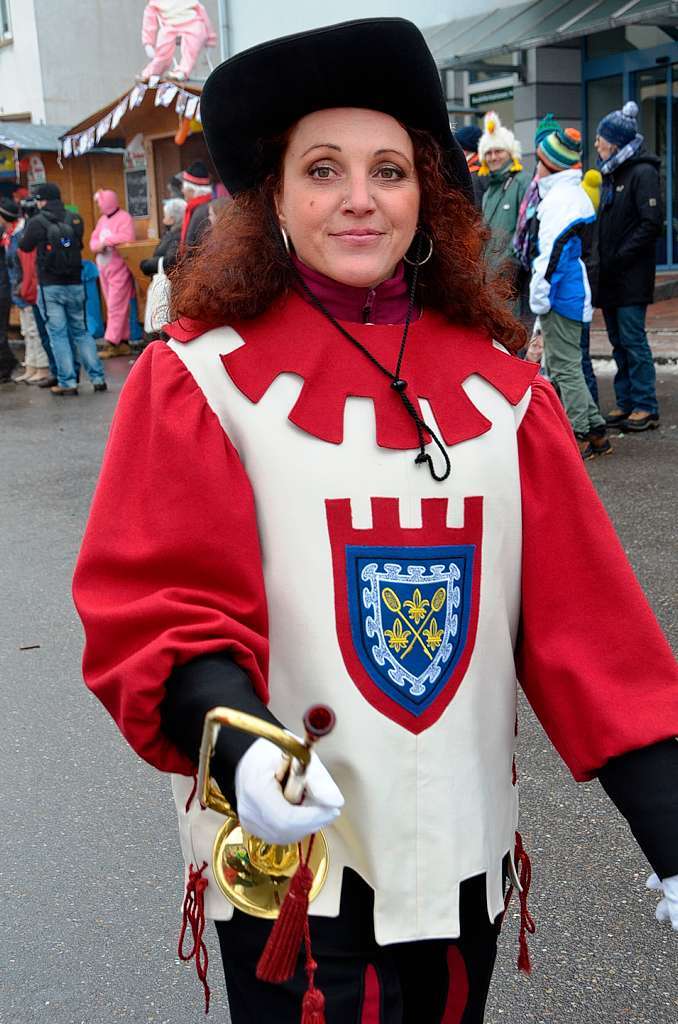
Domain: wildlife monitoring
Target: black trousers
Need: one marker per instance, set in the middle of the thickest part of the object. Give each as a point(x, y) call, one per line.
point(7, 358)
point(428, 982)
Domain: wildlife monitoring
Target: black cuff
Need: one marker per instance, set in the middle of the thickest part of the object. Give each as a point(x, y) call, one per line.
point(644, 786)
point(194, 689)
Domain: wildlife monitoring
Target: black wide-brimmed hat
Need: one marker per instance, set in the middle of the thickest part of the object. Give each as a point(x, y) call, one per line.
point(377, 63)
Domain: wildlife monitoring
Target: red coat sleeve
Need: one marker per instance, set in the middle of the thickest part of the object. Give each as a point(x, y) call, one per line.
point(170, 565)
point(590, 657)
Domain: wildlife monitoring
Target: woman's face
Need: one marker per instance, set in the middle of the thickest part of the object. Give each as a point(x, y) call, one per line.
point(604, 149)
point(349, 199)
point(496, 158)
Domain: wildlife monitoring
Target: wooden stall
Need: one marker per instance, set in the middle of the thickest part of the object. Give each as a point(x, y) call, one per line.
point(36, 158)
point(158, 127)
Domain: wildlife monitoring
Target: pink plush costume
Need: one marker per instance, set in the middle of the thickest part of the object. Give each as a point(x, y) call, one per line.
point(164, 20)
point(113, 227)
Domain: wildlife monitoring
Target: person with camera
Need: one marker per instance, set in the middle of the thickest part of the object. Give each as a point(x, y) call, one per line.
point(56, 234)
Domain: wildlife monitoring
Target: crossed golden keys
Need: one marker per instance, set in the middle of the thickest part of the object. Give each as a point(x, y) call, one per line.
point(428, 634)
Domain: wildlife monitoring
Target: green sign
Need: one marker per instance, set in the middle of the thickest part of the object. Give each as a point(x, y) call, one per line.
point(486, 99)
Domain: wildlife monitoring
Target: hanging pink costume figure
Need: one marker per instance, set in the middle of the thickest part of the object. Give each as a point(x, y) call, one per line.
point(114, 227)
point(164, 21)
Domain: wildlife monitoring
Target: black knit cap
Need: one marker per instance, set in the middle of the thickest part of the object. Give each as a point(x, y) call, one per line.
point(48, 190)
point(376, 63)
point(197, 173)
point(9, 209)
point(468, 137)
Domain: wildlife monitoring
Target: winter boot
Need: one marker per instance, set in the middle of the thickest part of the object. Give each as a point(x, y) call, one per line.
point(599, 441)
point(639, 420)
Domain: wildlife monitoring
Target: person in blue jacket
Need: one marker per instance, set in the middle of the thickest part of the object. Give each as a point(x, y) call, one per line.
point(559, 289)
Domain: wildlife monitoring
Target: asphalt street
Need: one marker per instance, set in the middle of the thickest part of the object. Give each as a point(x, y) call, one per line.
point(89, 857)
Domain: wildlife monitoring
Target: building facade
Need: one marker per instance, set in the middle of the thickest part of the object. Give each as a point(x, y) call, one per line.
point(60, 60)
point(578, 60)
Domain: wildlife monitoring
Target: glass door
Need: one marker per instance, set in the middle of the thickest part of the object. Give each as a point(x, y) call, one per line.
point(602, 96)
point(654, 117)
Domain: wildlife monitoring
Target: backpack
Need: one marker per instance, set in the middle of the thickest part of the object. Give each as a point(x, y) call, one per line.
point(60, 254)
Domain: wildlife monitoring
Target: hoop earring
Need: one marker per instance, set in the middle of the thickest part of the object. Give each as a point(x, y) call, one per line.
point(285, 240)
point(427, 257)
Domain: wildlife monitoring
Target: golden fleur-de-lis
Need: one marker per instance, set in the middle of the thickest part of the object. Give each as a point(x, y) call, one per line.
point(397, 637)
point(434, 636)
point(416, 608)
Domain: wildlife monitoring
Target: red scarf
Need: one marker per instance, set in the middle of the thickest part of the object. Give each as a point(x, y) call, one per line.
point(191, 205)
point(473, 163)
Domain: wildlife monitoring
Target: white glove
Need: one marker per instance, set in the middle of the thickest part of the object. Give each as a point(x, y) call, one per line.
point(150, 51)
point(667, 908)
point(264, 811)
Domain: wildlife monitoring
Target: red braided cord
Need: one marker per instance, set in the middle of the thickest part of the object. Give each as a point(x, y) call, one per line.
point(193, 916)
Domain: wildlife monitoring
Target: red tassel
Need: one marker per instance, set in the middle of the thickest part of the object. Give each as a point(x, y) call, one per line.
point(527, 923)
point(194, 918)
point(312, 1011)
point(278, 962)
point(313, 1005)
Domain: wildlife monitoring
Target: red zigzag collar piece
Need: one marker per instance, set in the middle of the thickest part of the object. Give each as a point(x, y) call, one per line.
point(293, 337)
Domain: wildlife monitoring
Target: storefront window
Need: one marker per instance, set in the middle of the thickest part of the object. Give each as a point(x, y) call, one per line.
point(5, 24)
point(485, 76)
point(602, 96)
point(651, 96)
point(672, 201)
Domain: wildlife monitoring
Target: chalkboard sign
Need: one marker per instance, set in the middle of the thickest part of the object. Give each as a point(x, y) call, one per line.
point(136, 187)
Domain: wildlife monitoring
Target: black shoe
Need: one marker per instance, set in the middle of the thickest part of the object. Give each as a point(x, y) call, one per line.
point(101, 387)
point(48, 382)
point(584, 445)
point(599, 441)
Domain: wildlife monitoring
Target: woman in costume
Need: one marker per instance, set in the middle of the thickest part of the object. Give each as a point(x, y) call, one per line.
point(114, 227)
point(338, 487)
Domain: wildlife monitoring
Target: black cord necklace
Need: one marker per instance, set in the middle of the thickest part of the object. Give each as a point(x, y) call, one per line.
point(397, 383)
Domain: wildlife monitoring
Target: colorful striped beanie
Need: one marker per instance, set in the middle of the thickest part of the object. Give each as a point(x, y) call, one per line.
point(547, 125)
point(561, 150)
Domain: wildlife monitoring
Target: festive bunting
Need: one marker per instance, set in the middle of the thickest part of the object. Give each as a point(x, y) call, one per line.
point(191, 107)
point(186, 105)
point(137, 95)
point(165, 93)
point(103, 126)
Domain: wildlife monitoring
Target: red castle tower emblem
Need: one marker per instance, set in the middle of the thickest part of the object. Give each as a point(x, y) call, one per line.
point(406, 604)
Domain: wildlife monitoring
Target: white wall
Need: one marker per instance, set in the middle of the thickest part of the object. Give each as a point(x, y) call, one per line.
point(253, 21)
point(90, 51)
point(20, 76)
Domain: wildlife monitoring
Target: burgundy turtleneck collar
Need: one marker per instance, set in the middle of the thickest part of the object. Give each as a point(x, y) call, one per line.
point(385, 304)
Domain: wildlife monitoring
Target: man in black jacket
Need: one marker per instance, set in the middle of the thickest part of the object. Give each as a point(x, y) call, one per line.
point(8, 360)
point(57, 235)
point(629, 221)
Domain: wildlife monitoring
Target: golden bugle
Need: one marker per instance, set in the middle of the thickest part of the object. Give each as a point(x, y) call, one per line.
point(252, 873)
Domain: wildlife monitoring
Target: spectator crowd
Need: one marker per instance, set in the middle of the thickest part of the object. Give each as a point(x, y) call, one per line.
point(569, 241)
point(565, 240)
point(43, 275)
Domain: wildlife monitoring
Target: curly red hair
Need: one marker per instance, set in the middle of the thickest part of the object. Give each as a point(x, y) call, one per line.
point(240, 267)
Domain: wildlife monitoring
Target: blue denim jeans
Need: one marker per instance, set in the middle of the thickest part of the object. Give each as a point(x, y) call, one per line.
point(635, 380)
point(586, 364)
point(63, 309)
